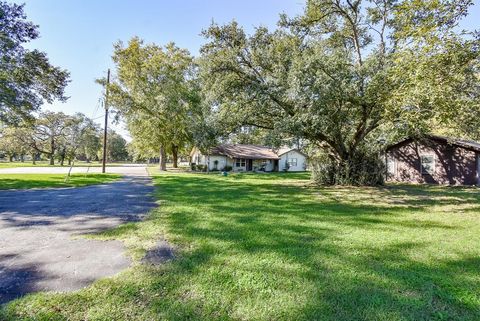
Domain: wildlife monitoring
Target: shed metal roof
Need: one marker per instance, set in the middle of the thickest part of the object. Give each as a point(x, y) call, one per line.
point(468, 144)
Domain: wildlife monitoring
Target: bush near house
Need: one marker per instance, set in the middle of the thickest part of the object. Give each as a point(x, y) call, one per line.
point(201, 168)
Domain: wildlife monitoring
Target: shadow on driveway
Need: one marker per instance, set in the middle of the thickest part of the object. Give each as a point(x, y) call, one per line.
point(37, 251)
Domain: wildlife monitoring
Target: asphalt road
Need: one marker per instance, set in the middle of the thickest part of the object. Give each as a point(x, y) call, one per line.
point(38, 247)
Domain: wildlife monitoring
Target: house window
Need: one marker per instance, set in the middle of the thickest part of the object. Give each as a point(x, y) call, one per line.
point(427, 164)
point(240, 162)
point(292, 162)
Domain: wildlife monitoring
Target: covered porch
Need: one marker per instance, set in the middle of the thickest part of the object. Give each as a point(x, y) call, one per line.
point(255, 165)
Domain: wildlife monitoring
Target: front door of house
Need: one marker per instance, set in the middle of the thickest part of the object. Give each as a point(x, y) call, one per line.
point(275, 165)
point(249, 164)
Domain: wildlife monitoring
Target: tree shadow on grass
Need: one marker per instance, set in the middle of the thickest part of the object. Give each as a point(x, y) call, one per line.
point(377, 282)
point(388, 285)
point(255, 249)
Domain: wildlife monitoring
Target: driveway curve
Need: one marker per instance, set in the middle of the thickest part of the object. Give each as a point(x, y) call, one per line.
point(38, 248)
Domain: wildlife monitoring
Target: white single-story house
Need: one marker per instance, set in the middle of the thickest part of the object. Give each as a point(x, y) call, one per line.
point(246, 158)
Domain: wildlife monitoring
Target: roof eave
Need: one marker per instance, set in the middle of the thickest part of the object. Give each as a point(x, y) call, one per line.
point(437, 138)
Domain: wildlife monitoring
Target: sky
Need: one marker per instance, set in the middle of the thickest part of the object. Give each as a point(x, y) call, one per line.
point(78, 35)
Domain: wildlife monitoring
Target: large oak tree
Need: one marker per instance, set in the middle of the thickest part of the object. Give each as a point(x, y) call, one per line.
point(346, 73)
point(27, 79)
point(154, 92)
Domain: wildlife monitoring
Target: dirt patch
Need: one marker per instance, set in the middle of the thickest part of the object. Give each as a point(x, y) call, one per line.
point(160, 254)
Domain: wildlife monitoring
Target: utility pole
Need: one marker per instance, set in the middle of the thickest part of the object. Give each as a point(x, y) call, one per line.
point(104, 160)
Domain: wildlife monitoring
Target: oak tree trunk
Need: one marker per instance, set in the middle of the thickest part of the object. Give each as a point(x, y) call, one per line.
point(175, 156)
point(52, 150)
point(163, 159)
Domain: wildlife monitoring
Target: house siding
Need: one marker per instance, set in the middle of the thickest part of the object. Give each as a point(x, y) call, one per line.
point(453, 165)
point(257, 161)
point(222, 162)
point(301, 161)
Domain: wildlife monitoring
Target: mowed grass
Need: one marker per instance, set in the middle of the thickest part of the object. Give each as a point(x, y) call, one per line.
point(272, 247)
point(4, 164)
point(25, 181)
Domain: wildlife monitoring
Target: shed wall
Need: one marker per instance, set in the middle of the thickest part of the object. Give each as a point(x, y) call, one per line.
point(453, 165)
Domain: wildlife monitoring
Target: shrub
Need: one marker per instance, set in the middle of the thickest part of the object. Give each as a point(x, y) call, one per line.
point(363, 169)
point(227, 168)
point(193, 166)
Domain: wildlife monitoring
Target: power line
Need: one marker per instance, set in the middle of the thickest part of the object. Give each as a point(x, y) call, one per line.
point(98, 117)
point(96, 107)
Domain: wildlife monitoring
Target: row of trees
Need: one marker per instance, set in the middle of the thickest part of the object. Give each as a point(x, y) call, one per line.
point(27, 80)
point(345, 78)
point(56, 135)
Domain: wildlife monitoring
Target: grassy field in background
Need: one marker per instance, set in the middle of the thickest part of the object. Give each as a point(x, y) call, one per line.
point(46, 163)
point(272, 247)
point(24, 181)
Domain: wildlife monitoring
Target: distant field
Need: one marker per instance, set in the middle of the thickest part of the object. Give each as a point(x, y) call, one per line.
point(25, 181)
point(182, 165)
point(46, 163)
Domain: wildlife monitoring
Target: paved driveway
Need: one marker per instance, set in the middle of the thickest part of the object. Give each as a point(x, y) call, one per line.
point(38, 247)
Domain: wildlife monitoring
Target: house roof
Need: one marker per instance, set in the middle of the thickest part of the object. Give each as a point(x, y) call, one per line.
point(468, 144)
point(244, 151)
point(284, 150)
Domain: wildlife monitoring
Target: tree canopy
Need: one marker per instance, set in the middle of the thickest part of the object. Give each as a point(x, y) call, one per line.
point(155, 93)
point(27, 79)
point(59, 136)
point(347, 73)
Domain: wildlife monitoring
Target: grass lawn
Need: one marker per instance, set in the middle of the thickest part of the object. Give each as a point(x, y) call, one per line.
point(22, 181)
point(270, 247)
point(4, 164)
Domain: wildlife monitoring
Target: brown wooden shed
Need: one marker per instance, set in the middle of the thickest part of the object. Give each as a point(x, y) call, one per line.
point(434, 160)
